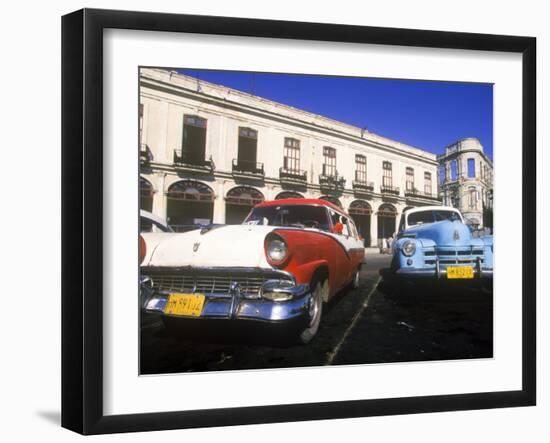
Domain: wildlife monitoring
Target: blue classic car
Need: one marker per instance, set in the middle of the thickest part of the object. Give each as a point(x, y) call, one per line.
point(433, 242)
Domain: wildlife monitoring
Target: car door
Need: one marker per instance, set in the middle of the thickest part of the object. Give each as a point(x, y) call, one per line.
point(349, 242)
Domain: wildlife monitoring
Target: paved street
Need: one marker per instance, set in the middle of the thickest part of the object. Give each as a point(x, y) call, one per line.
point(372, 324)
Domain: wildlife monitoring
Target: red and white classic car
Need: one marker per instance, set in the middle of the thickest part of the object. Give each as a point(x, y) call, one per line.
point(286, 259)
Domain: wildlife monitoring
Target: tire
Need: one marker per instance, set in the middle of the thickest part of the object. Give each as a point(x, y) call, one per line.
point(355, 279)
point(315, 312)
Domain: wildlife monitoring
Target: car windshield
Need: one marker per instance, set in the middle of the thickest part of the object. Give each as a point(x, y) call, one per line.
point(148, 225)
point(302, 216)
point(422, 217)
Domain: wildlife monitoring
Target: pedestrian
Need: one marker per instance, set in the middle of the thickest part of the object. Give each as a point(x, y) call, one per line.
point(389, 242)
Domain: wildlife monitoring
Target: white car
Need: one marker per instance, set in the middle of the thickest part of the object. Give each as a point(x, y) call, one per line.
point(277, 268)
point(149, 222)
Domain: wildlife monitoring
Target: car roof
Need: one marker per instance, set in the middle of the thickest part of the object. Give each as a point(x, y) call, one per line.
point(151, 216)
point(430, 208)
point(302, 201)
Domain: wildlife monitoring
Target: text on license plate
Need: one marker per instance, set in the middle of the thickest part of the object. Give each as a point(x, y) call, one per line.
point(460, 272)
point(184, 304)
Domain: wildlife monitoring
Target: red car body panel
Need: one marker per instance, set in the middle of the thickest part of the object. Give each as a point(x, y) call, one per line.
point(311, 250)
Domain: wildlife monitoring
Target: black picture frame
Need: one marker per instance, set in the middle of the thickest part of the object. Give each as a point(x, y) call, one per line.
point(82, 259)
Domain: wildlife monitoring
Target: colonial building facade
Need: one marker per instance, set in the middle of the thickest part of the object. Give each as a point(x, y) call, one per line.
point(208, 153)
point(466, 181)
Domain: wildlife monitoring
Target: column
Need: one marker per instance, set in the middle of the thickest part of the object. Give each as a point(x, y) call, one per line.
point(159, 196)
point(374, 229)
point(219, 205)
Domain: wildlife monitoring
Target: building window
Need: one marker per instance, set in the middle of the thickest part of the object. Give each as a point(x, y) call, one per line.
point(194, 140)
point(454, 170)
point(427, 183)
point(442, 174)
point(455, 198)
point(387, 179)
point(247, 150)
point(409, 182)
point(329, 165)
point(360, 168)
point(472, 198)
point(291, 160)
point(471, 167)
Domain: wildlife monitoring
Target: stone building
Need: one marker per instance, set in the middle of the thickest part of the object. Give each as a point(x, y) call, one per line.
point(208, 153)
point(466, 181)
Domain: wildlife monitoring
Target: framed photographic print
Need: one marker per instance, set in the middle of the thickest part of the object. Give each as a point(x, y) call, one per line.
point(270, 221)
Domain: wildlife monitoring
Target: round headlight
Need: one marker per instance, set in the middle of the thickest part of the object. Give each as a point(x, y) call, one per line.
point(408, 247)
point(277, 250)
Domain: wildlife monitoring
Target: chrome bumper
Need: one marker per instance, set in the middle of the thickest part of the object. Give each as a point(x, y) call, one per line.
point(439, 272)
point(236, 307)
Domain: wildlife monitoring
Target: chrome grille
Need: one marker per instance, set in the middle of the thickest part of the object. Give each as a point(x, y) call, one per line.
point(208, 282)
point(468, 255)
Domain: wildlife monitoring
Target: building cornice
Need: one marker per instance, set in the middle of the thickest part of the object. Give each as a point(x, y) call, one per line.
point(163, 86)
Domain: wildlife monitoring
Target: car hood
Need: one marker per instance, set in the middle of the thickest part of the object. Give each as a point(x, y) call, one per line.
point(223, 246)
point(443, 233)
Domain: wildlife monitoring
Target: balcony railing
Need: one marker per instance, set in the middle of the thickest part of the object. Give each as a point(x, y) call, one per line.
point(145, 154)
point(332, 182)
point(361, 184)
point(412, 192)
point(248, 168)
point(386, 189)
point(416, 193)
point(293, 176)
point(185, 160)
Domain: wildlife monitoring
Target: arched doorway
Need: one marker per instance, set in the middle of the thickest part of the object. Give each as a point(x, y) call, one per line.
point(288, 194)
point(360, 211)
point(331, 199)
point(145, 195)
point(386, 220)
point(189, 203)
point(239, 201)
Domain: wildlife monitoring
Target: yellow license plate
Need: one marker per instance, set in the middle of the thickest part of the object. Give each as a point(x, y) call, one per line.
point(184, 304)
point(460, 272)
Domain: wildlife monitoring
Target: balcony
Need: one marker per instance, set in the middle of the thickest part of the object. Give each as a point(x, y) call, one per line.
point(293, 177)
point(389, 190)
point(189, 163)
point(412, 192)
point(334, 183)
point(145, 155)
point(246, 169)
point(419, 195)
point(360, 184)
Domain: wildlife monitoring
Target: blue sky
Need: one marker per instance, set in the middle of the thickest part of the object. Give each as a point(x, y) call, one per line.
point(429, 115)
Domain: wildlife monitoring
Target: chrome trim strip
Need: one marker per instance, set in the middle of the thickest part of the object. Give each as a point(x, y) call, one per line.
point(221, 269)
point(415, 272)
point(241, 309)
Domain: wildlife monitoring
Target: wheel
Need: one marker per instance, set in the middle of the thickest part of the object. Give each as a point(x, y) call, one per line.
point(315, 311)
point(355, 280)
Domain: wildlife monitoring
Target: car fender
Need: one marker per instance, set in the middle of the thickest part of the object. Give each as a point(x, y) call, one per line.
point(311, 248)
point(304, 272)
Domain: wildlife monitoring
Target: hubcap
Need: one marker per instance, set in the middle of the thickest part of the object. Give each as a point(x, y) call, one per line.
point(314, 305)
